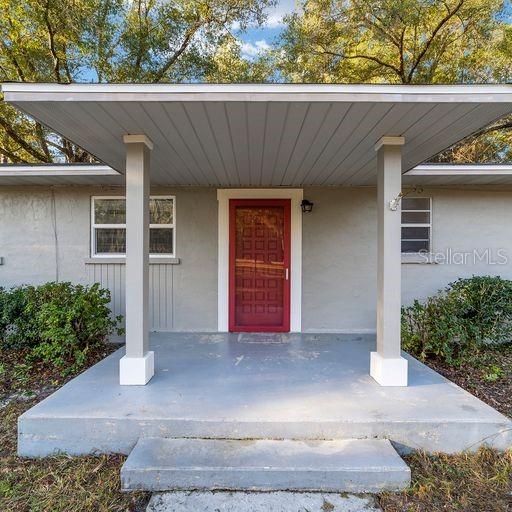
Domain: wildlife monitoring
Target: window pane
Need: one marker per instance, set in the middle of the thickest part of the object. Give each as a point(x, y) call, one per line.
point(415, 233)
point(109, 211)
point(415, 246)
point(160, 211)
point(415, 217)
point(415, 203)
point(160, 241)
point(110, 240)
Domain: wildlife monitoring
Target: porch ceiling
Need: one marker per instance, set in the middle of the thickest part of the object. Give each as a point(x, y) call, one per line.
point(262, 135)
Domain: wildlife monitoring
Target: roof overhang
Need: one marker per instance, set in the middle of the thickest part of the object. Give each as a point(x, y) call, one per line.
point(94, 175)
point(459, 174)
point(59, 174)
point(262, 135)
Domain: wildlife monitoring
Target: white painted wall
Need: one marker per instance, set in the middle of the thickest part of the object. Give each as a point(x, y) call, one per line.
point(339, 254)
point(339, 250)
point(182, 297)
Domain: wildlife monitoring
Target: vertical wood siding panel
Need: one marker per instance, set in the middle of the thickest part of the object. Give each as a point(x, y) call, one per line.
point(161, 297)
point(171, 299)
point(153, 294)
point(122, 294)
point(112, 276)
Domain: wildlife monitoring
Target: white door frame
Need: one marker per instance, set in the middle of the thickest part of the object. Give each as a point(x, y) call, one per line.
point(295, 195)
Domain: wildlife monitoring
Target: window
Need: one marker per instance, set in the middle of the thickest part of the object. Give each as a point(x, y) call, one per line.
point(108, 226)
point(416, 224)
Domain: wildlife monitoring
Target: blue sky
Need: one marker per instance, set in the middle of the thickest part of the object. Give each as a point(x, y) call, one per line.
point(255, 39)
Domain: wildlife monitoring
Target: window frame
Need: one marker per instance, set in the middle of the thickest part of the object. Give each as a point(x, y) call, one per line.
point(417, 225)
point(95, 226)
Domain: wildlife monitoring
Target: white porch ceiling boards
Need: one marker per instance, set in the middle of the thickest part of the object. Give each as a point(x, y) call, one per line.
point(262, 135)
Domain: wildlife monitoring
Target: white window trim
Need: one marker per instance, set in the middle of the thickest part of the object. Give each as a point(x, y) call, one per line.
point(415, 255)
point(223, 197)
point(94, 226)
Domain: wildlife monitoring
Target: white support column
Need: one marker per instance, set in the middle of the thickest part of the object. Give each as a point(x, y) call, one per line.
point(387, 366)
point(137, 366)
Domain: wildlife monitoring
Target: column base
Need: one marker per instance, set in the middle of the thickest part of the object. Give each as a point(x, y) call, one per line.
point(388, 371)
point(136, 371)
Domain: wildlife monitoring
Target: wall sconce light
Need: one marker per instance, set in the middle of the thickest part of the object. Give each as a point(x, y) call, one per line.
point(307, 206)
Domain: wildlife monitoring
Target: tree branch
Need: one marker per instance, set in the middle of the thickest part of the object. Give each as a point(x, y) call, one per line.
point(6, 50)
point(430, 40)
point(42, 141)
point(27, 147)
point(507, 125)
point(361, 56)
point(12, 156)
point(176, 55)
point(51, 43)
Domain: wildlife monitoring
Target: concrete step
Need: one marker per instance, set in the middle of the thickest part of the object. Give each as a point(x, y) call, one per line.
point(353, 465)
point(252, 501)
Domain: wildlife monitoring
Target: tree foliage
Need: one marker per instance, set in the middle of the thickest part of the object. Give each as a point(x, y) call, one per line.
point(407, 42)
point(395, 41)
point(146, 41)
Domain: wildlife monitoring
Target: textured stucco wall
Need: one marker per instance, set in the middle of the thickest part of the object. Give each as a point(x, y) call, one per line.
point(339, 248)
point(27, 243)
point(339, 273)
point(339, 253)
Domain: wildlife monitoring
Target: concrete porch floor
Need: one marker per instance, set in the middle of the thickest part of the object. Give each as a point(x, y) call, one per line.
point(246, 386)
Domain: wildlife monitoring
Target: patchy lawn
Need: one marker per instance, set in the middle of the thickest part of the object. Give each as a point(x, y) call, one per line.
point(487, 375)
point(474, 482)
point(55, 484)
point(468, 482)
point(22, 378)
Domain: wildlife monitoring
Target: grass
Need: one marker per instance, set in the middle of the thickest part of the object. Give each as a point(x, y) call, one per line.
point(465, 482)
point(67, 484)
point(54, 484)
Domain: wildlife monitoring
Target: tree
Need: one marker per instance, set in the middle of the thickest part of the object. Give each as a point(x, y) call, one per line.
point(228, 66)
point(146, 41)
point(408, 42)
point(393, 41)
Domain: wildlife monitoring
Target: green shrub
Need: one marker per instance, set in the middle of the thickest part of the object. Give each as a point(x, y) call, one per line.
point(57, 323)
point(464, 317)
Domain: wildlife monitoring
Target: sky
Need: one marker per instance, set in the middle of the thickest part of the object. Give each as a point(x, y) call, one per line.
point(260, 38)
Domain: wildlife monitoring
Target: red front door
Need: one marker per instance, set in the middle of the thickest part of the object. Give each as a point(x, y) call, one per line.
point(259, 265)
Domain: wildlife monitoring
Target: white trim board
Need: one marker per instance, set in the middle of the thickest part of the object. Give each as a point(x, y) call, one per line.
point(460, 170)
point(57, 170)
point(93, 226)
point(459, 93)
point(223, 197)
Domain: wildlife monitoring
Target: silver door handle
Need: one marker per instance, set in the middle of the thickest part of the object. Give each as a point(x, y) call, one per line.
point(286, 274)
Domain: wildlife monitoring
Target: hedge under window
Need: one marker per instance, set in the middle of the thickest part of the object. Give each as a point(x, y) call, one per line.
point(108, 226)
point(416, 224)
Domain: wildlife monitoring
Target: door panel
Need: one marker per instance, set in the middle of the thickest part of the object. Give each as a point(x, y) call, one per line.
point(259, 265)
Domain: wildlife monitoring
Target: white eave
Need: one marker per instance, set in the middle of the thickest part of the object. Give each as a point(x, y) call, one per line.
point(91, 174)
point(59, 174)
point(459, 174)
point(262, 135)
point(486, 93)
